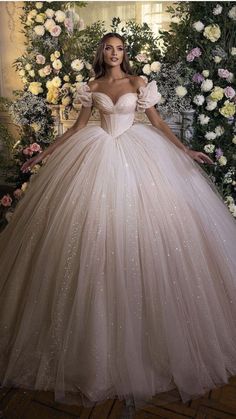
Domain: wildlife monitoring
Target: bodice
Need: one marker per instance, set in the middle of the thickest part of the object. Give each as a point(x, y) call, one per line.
point(118, 117)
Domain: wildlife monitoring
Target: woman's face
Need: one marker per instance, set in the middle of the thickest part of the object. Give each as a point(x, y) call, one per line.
point(113, 52)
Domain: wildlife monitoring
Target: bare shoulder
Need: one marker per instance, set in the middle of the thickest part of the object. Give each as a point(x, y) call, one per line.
point(93, 85)
point(137, 82)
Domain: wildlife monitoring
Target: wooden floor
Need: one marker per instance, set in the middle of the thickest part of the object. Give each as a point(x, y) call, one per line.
point(22, 404)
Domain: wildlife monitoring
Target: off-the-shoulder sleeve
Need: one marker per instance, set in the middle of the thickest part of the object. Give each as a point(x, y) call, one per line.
point(83, 95)
point(148, 96)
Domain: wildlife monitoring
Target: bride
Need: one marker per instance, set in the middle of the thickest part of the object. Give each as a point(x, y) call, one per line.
point(118, 267)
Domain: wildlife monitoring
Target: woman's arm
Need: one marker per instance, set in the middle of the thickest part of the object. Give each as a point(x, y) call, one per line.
point(158, 122)
point(80, 123)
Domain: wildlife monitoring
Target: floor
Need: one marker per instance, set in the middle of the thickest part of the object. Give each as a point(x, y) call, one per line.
point(22, 404)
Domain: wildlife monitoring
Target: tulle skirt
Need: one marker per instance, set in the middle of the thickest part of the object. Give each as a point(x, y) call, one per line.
point(118, 274)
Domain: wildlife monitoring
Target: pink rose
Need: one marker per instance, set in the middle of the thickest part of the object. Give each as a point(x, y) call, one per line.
point(141, 58)
point(17, 193)
point(68, 24)
point(55, 30)
point(6, 201)
point(27, 151)
point(223, 73)
point(229, 92)
point(40, 59)
point(47, 70)
point(35, 147)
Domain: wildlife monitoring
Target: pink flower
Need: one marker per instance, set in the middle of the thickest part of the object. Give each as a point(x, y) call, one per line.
point(55, 30)
point(6, 201)
point(27, 151)
point(47, 70)
point(223, 73)
point(17, 193)
point(68, 24)
point(40, 59)
point(229, 92)
point(141, 58)
point(194, 53)
point(35, 147)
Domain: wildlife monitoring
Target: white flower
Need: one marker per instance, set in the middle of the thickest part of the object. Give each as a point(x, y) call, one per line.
point(66, 77)
point(234, 139)
point(209, 148)
point(222, 160)
point(32, 13)
point(210, 135)
point(66, 100)
point(57, 54)
point(49, 13)
point(56, 81)
point(205, 73)
point(39, 30)
point(141, 58)
point(232, 13)
point(32, 73)
point(88, 65)
point(217, 10)
point(217, 59)
point(230, 77)
point(60, 16)
point(211, 105)
point(38, 5)
point(22, 72)
point(206, 85)
point(198, 26)
point(233, 51)
point(199, 100)
point(155, 66)
point(49, 24)
point(219, 130)
point(57, 64)
point(147, 69)
point(131, 63)
point(79, 77)
point(77, 64)
point(40, 18)
point(181, 91)
point(28, 67)
point(203, 119)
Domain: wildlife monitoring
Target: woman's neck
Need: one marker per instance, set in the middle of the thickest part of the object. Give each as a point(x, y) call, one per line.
point(114, 73)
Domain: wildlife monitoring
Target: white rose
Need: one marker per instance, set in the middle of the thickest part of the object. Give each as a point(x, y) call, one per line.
point(232, 13)
point(205, 73)
point(39, 30)
point(60, 16)
point(57, 54)
point(210, 135)
point(230, 77)
point(79, 77)
point(147, 69)
point(217, 59)
point(222, 161)
point(32, 73)
point(217, 10)
point(234, 139)
point(198, 26)
point(233, 51)
point(38, 5)
point(22, 72)
point(40, 18)
point(56, 81)
point(219, 130)
point(66, 78)
point(199, 100)
point(49, 24)
point(28, 67)
point(203, 119)
point(24, 80)
point(181, 91)
point(33, 13)
point(41, 73)
point(211, 105)
point(209, 148)
point(77, 64)
point(206, 85)
point(155, 66)
point(49, 13)
point(57, 64)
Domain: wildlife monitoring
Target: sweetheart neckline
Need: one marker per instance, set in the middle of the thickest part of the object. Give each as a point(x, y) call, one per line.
point(114, 104)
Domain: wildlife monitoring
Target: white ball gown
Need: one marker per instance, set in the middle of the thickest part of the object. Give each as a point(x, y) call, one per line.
point(118, 267)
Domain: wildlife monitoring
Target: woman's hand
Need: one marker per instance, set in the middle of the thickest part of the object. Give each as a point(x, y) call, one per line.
point(199, 156)
point(31, 162)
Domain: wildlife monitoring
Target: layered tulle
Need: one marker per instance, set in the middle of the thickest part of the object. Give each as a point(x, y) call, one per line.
point(118, 273)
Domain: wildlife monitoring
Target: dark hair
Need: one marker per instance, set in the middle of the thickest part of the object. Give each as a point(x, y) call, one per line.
point(99, 66)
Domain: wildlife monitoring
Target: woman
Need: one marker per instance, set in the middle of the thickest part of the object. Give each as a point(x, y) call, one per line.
point(118, 266)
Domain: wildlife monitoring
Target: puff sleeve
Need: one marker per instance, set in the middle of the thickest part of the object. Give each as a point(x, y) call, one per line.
point(148, 96)
point(83, 95)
